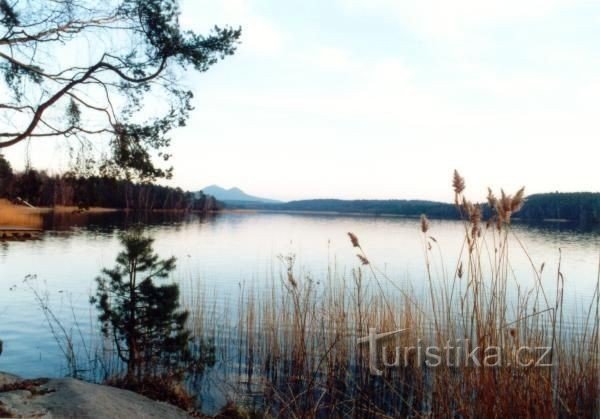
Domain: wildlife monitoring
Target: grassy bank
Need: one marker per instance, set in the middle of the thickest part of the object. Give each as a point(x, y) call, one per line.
point(17, 216)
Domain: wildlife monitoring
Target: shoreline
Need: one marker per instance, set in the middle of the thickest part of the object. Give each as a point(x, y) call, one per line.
point(102, 210)
point(63, 209)
point(370, 214)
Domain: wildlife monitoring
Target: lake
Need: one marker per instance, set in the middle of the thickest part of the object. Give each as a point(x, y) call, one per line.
point(222, 252)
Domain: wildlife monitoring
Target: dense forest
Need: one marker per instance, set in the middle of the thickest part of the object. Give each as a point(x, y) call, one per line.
point(374, 207)
point(582, 207)
point(41, 189)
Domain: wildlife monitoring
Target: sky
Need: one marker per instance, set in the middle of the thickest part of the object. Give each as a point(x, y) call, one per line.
point(385, 98)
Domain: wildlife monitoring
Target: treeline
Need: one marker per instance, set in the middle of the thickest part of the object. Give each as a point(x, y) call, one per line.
point(362, 206)
point(581, 207)
point(40, 189)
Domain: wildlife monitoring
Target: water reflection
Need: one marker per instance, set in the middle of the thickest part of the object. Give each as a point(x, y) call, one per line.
point(225, 252)
point(569, 227)
point(110, 220)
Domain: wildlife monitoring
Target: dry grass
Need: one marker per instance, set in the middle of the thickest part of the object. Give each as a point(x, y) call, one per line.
point(288, 348)
point(17, 216)
point(294, 345)
point(165, 389)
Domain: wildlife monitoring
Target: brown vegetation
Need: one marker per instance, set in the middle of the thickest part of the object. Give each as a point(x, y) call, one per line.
point(165, 389)
point(294, 351)
point(295, 342)
point(18, 216)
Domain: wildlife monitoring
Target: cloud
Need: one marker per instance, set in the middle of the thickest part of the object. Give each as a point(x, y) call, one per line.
point(441, 19)
point(379, 91)
point(260, 36)
point(333, 59)
point(401, 90)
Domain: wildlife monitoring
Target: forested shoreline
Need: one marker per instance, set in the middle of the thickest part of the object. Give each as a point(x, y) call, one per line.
point(41, 189)
point(581, 207)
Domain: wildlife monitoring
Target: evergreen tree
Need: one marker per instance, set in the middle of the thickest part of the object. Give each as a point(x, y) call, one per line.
point(144, 319)
point(5, 168)
point(6, 175)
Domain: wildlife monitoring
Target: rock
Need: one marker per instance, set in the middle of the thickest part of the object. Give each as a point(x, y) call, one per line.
point(70, 398)
point(6, 378)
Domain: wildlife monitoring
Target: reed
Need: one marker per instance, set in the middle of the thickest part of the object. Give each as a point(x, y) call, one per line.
point(289, 346)
point(292, 349)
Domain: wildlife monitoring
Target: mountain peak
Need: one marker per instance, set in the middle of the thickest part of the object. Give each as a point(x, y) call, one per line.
point(233, 194)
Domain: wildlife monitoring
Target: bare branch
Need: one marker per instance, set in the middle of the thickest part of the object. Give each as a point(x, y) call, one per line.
point(53, 99)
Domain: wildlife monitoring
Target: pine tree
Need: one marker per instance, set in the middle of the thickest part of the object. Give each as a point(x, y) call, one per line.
point(6, 176)
point(143, 319)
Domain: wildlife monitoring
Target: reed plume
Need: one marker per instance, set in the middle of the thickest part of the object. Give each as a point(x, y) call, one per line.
point(363, 259)
point(518, 200)
point(424, 223)
point(353, 239)
point(508, 205)
point(491, 198)
point(458, 183)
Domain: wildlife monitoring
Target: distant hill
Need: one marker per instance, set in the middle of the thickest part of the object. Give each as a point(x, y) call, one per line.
point(235, 195)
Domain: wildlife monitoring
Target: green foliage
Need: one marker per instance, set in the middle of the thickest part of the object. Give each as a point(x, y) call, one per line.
point(30, 184)
point(6, 176)
point(6, 172)
point(9, 16)
point(583, 207)
point(73, 113)
point(15, 77)
point(144, 319)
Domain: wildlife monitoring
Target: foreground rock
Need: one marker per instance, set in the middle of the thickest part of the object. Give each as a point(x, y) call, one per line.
point(70, 398)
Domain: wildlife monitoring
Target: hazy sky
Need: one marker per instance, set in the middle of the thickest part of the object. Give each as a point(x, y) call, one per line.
point(384, 98)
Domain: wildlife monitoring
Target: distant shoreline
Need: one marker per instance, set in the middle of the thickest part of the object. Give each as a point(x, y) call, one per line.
point(104, 210)
point(367, 214)
point(101, 210)
point(306, 212)
point(69, 210)
point(576, 207)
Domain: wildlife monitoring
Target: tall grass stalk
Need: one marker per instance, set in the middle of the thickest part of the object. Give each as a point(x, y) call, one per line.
point(296, 336)
point(288, 347)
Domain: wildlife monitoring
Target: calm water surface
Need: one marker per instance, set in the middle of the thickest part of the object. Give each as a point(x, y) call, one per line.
point(223, 251)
